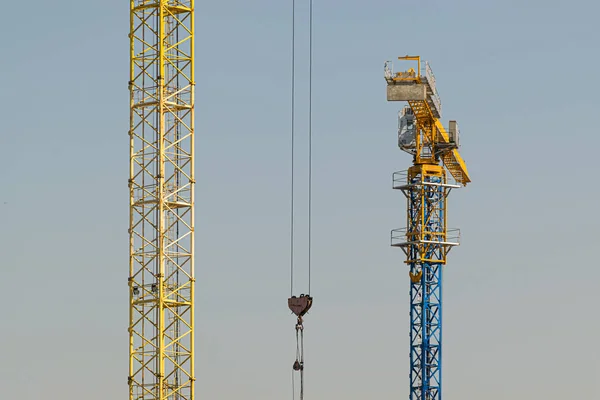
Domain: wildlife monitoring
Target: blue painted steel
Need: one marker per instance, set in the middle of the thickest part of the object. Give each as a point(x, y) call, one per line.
point(426, 216)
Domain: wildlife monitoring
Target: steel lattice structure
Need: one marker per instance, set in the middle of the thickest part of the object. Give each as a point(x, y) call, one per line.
point(426, 240)
point(161, 278)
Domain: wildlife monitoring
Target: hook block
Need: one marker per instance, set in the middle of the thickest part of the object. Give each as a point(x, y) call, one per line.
point(300, 305)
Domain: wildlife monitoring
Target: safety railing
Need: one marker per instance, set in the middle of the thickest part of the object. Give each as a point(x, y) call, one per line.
point(145, 2)
point(400, 180)
point(179, 96)
point(435, 97)
point(437, 105)
point(180, 3)
point(149, 194)
point(172, 3)
point(430, 77)
point(399, 237)
point(402, 237)
point(171, 289)
point(145, 194)
point(453, 236)
point(172, 95)
point(410, 75)
point(181, 194)
point(145, 95)
point(425, 73)
point(388, 70)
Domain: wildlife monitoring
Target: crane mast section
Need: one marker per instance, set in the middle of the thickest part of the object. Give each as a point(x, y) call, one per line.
point(426, 242)
point(161, 189)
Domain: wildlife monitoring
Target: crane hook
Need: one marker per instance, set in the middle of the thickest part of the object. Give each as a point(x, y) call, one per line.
point(298, 366)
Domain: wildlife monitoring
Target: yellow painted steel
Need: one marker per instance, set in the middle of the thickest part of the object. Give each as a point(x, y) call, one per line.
point(161, 183)
point(452, 159)
point(431, 135)
point(421, 210)
point(410, 75)
point(415, 277)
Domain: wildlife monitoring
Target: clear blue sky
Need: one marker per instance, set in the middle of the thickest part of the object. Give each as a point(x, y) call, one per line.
point(521, 293)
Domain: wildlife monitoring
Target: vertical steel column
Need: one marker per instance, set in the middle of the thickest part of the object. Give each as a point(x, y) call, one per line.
point(426, 250)
point(161, 183)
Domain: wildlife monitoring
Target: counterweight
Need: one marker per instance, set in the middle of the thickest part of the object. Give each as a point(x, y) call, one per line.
point(426, 240)
point(161, 183)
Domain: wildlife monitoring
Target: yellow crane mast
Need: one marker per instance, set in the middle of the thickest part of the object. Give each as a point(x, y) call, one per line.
point(161, 184)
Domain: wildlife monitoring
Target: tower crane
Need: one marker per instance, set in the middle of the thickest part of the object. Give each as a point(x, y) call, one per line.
point(425, 240)
point(161, 188)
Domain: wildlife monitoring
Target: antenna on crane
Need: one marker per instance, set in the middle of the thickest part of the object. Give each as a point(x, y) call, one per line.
point(301, 305)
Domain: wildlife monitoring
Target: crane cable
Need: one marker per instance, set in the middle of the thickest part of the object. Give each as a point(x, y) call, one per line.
point(292, 129)
point(305, 301)
point(309, 153)
point(310, 55)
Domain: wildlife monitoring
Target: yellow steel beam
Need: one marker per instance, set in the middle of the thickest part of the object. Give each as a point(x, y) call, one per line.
point(453, 160)
point(428, 137)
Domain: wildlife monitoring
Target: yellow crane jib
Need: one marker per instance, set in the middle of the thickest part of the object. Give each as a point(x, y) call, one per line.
point(420, 131)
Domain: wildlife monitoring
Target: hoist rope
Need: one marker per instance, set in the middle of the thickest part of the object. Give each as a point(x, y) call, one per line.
point(292, 179)
point(302, 370)
point(310, 141)
point(299, 327)
point(293, 117)
point(292, 129)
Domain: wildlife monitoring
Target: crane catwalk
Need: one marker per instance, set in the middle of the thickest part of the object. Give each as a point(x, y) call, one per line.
point(161, 183)
point(426, 240)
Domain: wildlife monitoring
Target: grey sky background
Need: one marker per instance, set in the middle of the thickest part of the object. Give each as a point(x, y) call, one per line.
point(521, 292)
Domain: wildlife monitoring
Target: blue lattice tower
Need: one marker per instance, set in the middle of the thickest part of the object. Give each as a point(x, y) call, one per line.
point(426, 242)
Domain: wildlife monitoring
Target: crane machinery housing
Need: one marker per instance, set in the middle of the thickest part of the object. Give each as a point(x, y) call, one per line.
point(161, 189)
point(425, 240)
